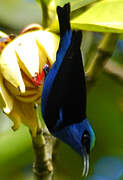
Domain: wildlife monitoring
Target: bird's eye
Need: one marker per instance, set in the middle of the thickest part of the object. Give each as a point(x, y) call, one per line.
point(86, 140)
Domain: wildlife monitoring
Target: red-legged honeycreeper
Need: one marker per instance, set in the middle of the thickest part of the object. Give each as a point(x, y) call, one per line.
point(64, 92)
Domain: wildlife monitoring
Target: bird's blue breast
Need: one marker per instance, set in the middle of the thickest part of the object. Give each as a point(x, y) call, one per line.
point(63, 47)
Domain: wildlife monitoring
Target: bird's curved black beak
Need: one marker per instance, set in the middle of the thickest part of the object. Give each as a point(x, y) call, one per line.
point(85, 162)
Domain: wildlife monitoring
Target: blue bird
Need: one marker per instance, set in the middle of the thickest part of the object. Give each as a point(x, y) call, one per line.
point(63, 102)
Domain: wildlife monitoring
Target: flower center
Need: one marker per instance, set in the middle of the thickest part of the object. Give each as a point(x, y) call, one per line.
point(37, 80)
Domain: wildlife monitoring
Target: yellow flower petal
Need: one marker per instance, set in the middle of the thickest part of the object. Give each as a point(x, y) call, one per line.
point(6, 101)
point(26, 113)
point(30, 97)
point(27, 51)
point(28, 84)
point(15, 117)
point(14, 91)
point(9, 67)
point(27, 81)
point(43, 59)
point(49, 42)
point(31, 94)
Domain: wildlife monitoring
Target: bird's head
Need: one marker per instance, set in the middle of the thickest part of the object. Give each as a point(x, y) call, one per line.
point(81, 138)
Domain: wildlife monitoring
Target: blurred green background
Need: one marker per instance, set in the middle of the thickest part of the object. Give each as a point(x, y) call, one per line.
point(104, 107)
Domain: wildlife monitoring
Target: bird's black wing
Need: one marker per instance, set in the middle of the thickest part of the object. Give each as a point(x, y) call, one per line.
point(66, 94)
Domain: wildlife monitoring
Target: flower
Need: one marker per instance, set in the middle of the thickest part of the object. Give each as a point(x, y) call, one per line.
point(20, 61)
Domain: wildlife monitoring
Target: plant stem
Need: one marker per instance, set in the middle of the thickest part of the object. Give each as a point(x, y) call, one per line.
point(43, 145)
point(104, 51)
point(115, 70)
point(43, 149)
point(45, 15)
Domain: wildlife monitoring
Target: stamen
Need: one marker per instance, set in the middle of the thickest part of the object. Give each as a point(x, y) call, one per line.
point(38, 78)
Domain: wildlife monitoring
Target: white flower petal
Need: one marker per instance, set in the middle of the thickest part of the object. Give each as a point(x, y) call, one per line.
point(49, 42)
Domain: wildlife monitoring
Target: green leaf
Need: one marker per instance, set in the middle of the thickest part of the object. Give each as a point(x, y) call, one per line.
point(75, 4)
point(104, 16)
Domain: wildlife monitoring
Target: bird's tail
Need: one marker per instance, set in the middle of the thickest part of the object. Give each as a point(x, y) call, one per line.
point(64, 18)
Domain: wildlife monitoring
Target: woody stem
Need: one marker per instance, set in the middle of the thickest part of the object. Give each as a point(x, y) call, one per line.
point(43, 144)
point(97, 63)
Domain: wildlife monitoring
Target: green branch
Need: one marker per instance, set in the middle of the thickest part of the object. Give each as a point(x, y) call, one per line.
point(96, 64)
point(43, 146)
point(45, 16)
point(115, 70)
